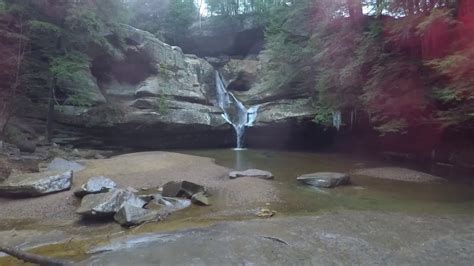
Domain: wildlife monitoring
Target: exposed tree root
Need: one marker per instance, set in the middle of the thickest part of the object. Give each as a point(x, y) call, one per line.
point(33, 258)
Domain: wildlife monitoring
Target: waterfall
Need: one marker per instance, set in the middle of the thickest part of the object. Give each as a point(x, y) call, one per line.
point(235, 113)
point(336, 119)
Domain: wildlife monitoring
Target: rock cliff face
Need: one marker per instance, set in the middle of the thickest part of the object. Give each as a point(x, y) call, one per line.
point(215, 36)
point(277, 105)
point(154, 96)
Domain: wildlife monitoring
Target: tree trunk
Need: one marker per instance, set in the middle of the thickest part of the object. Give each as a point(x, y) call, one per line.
point(355, 9)
point(33, 258)
point(50, 115)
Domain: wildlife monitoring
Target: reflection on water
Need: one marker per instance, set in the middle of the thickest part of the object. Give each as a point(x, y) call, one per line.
point(365, 193)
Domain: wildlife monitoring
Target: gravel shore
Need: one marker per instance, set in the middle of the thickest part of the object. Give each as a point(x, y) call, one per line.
point(149, 170)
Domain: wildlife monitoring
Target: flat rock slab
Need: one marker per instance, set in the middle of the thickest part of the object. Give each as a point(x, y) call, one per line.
point(399, 174)
point(107, 204)
point(62, 165)
point(343, 238)
point(325, 179)
point(36, 184)
point(251, 173)
point(96, 184)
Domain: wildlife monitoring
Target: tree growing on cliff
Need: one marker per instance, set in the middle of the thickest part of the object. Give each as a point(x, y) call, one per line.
point(60, 34)
point(168, 20)
point(396, 62)
point(13, 42)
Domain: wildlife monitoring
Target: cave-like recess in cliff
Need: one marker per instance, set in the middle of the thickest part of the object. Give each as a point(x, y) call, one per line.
point(132, 70)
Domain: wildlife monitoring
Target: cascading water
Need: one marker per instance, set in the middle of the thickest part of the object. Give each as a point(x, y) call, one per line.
point(235, 113)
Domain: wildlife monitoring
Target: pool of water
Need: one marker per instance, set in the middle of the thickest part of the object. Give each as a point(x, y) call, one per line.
point(365, 193)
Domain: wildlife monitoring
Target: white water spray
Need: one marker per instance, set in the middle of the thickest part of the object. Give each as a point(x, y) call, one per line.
point(235, 113)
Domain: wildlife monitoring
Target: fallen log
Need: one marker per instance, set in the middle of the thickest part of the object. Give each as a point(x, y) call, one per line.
point(33, 258)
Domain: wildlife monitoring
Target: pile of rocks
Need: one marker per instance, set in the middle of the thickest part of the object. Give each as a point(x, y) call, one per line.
point(101, 197)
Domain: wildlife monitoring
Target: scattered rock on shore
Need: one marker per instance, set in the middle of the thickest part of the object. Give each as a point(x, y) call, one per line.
point(62, 165)
point(181, 189)
point(173, 204)
point(36, 184)
point(96, 184)
point(107, 204)
point(251, 173)
point(324, 179)
point(129, 215)
point(200, 199)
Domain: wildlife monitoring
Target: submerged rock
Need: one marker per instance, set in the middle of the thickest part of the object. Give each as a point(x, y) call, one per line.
point(107, 204)
point(324, 179)
point(96, 184)
point(251, 173)
point(62, 165)
point(200, 199)
point(182, 189)
point(399, 174)
point(132, 215)
point(36, 184)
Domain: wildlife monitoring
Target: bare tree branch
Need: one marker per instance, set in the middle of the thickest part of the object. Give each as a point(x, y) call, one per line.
point(33, 258)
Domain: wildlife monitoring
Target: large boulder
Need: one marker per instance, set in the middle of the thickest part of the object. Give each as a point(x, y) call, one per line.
point(324, 179)
point(36, 184)
point(96, 184)
point(107, 204)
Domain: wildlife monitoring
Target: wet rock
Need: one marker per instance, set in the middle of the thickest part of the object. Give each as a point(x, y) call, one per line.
point(62, 165)
point(399, 174)
point(129, 215)
point(107, 204)
point(182, 189)
point(325, 179)
point(96, 184)
point(131, 189)
point(154, 205)
point(251, 173)
point(36, 184)
point(173, 204)
point(149, 195)
point(200, 199)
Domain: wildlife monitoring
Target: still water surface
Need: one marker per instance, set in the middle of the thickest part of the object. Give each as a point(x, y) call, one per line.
point(365, 193)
